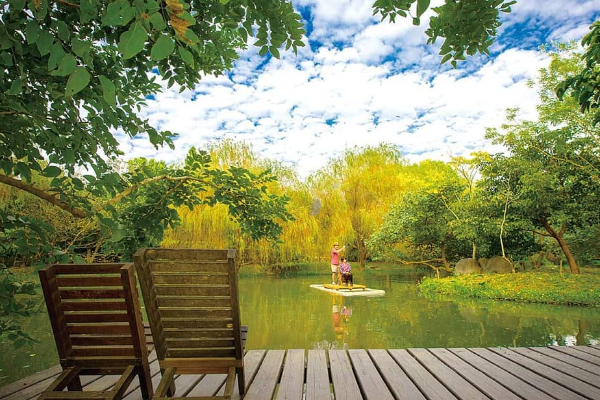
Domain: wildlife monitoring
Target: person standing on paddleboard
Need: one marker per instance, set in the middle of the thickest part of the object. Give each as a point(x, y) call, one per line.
point(335, 263)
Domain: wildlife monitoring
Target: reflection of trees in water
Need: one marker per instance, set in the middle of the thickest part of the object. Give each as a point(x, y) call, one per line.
point(525, 329)
point(286, 313)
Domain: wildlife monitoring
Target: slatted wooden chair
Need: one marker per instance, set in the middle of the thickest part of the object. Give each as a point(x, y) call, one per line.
point(95, 315)
point(191, 298)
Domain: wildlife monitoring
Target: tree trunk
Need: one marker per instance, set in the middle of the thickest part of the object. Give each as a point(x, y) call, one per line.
point(444, 259)
point(559, 237)
point(474, 251)
point(362, 253)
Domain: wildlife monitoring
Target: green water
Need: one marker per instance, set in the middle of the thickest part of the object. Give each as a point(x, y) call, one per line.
point(285, 313)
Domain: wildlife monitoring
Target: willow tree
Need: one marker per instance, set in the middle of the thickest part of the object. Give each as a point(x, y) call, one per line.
point(365, 180)
point(420, 227)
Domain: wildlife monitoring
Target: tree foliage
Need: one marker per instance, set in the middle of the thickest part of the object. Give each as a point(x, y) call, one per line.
point(75, 74)
point(584, 85)
point(467, 27)
point(552, 167)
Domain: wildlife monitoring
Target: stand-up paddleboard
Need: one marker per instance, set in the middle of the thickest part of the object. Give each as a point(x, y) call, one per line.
point(354, 290)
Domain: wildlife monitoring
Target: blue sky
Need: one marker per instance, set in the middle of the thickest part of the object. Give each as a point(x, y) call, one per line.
point(362, 82)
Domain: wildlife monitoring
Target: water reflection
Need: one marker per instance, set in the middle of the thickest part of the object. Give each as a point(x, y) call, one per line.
point(340, 314)
point(287, 313)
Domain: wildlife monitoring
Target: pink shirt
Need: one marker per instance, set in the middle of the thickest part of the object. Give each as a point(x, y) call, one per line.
point(335, 257)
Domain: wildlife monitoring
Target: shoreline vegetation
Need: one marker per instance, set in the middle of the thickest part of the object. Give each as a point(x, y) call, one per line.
point(547, 286)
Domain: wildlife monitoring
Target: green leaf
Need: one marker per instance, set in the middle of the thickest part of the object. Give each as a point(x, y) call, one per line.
point(80, 47)
point(111, 16)
point(63, 31)
point(157, 21)
point(78, 80)
point(66, 66)
point(186, 56)
point(44, 42)
point(422, 6)
point(274, 51)
point(416, 21)
point(132, 41)
point(191, 36)
point(15, 87)
point(32, 31)
point(6, 59)
point(17, 4)
point(108, 90)
point(88, 9)
point(51, 171)
point(56, 55)
point(163, 48)
point(24, 171)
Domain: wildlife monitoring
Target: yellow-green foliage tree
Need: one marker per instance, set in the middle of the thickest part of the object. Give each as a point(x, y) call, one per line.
point(362, 184)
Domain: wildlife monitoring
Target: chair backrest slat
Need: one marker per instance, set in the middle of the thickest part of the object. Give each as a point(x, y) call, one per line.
point(94, 311)
point(194, 296)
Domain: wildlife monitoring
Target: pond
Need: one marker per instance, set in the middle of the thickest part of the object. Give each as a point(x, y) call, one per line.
point(284, 312)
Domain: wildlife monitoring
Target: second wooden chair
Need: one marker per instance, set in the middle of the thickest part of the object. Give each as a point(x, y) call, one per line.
point(191, 298)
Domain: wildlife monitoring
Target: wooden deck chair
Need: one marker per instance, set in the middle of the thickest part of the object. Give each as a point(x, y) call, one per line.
point(95, 315)
point(191, 298)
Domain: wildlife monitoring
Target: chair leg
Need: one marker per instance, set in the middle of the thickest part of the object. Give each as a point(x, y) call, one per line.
point(145, 381)
point(230, 383)
point(123, 382)
point(166, 387)
point(63, 380)
point(241, 381)
point(75, 385)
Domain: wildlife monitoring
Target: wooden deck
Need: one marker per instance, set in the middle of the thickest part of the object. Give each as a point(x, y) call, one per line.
point(476, 373)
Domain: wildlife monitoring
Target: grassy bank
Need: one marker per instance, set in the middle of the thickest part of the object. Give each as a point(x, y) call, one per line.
point(548, 287)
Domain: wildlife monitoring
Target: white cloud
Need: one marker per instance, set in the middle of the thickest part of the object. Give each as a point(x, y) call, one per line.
point(383, 86)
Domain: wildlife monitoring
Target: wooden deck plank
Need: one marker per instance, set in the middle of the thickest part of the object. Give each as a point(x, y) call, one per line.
point(542, 383)
point(573, 352)
point(422, 378)
point(292, 378)
point(500, 373)
point(559, 365)
point(397, 381)
point(547, 386)
point(449, 378)
point(267, 376)
point(557, 376)
point(317, 376)
point(344, 383)
point(371, 383)
point(588, 350)
point(252, 361)
point(30, 380)
point(516, 385)
point(33, 390)
point(209, 385)
point(484, 383)
point(570, 359)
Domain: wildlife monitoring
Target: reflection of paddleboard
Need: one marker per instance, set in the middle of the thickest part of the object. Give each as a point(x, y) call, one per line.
point(355, 290)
